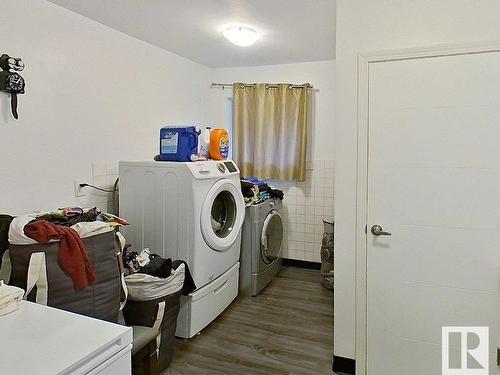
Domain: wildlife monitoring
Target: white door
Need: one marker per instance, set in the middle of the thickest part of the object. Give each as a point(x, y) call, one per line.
point(434, 183)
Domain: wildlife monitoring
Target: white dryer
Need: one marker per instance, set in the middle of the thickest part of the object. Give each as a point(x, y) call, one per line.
point(192, 211)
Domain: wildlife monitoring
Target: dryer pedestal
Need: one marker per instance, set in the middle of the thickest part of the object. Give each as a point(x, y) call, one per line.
point(202, 306)
point(260, 280)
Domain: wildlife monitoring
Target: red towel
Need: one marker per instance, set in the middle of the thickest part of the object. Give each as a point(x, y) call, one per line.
point(72, 252)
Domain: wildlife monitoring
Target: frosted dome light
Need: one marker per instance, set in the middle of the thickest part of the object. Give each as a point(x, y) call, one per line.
point(240, 35)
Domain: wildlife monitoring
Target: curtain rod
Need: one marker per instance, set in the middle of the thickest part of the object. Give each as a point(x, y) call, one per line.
point(224, 85)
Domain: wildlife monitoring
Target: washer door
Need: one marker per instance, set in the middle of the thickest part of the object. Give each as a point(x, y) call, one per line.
point(222, 215)
point(271, 239)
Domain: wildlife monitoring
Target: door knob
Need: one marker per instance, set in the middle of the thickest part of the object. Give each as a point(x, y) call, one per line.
point(378, 231)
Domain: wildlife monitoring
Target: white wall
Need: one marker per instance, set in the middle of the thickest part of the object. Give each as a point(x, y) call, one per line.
point(93, 94)
point(368, 26)
point(306, 203)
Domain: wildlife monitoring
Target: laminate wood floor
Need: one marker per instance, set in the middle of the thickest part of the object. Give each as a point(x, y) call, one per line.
point(287, 329)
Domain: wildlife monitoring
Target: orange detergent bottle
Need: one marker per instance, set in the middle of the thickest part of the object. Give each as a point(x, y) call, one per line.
point(219, 144)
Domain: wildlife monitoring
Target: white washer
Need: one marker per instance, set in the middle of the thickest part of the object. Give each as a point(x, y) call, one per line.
point(191, 211)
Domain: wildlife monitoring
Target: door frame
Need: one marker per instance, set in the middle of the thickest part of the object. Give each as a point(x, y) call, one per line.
point(364, 61)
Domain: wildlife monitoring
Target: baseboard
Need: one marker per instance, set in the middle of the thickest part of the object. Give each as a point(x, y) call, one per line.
point(301, 264)
point(345, 365)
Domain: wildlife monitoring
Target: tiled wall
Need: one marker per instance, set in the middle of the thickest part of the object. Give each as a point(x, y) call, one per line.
point(305, 206)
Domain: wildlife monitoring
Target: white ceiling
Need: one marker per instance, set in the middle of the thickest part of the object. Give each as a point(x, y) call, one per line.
point(291, 30)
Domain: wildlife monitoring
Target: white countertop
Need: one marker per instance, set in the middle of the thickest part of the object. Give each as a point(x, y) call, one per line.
point(38, 339)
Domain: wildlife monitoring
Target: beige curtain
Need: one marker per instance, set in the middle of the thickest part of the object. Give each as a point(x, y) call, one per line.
point(270, 130)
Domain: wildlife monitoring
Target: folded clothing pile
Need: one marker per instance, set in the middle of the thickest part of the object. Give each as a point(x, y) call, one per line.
point(255, 191)
point(9, 298)
point(67, 226)
point(145, 268)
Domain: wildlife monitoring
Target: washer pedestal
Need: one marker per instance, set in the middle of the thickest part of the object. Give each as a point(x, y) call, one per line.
point(202, 306)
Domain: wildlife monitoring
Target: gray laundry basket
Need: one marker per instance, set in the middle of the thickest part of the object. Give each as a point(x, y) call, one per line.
point(144, 313)
point(155, 302)
point(327, 255)
point(100, 300)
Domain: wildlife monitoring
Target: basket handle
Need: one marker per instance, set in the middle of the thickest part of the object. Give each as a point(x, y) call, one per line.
point(120, 240)
point(6, 269)
point(37, 276)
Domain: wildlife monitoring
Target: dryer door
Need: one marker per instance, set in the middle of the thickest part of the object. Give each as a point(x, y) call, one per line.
point(222, 215)
point(271, 239)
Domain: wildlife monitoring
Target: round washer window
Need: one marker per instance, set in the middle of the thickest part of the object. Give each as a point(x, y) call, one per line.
point(223, 214)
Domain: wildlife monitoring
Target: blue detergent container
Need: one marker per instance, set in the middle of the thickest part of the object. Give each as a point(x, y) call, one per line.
point(179, 143)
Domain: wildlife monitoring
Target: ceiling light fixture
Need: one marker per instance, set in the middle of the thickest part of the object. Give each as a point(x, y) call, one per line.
point(240, 35)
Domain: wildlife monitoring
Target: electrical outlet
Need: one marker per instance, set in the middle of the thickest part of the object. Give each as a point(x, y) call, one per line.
point(79, 191)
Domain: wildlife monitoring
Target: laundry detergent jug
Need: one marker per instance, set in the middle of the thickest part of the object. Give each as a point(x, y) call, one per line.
point(179, 143)
point(204, 144)
point(219, 144)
